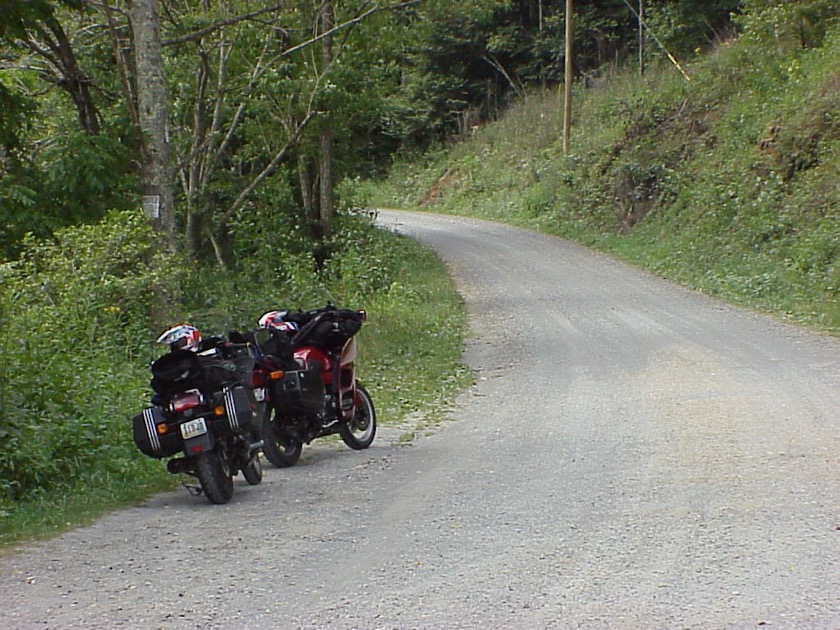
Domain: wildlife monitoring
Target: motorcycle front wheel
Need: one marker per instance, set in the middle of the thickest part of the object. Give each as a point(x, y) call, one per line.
point(253, 472)
point(279, 447)
point(358, 434)
point(214, 476)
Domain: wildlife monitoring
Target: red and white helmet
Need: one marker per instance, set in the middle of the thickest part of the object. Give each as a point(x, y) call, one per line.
point(181, 337)
point(277, 321)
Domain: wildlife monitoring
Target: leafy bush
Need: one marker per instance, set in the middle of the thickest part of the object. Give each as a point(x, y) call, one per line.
point(76, 332)
point(75, 177)
point(786, 26)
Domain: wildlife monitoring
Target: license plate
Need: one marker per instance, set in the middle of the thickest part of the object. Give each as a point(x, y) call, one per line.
point(193, 428)
point(259, 394)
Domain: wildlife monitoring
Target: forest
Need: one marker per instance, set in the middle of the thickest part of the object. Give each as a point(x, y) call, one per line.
point(163, 160)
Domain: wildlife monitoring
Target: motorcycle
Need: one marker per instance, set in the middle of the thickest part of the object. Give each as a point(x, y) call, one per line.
point(318, 394)
point(205, 408)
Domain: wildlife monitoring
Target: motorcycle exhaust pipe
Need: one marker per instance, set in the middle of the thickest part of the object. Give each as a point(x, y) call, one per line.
point(177, 465)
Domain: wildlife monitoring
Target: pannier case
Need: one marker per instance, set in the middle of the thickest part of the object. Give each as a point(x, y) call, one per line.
point(240, 408)
point(299, 391)
point(148, 440)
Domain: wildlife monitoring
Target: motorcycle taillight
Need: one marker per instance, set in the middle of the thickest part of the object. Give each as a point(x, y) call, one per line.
point(189, 399)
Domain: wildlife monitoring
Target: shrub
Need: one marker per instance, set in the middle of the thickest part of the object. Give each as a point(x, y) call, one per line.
point(76, 314)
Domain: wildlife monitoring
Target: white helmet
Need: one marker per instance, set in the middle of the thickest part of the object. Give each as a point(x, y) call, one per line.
point(277, 321)
point(181, 337)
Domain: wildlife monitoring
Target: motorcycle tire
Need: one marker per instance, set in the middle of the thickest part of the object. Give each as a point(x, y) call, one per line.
point(358, 434)
point(280, 449)
point(214, 476)
point(253, 472)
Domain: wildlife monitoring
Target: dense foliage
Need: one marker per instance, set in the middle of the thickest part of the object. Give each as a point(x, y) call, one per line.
point(74, 344)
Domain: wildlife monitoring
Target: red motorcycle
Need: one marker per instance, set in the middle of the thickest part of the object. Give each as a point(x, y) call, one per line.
point(319, 395)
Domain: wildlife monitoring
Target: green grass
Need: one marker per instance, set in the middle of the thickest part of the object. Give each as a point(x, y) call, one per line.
point(78, 503)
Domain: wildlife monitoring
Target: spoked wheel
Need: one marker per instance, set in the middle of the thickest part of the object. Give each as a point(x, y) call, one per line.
point(279, 447)
point(214, 475)
point(360, 431)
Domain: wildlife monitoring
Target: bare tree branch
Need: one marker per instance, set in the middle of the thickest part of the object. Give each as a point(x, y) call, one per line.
point(218, 25)
point(501, 70)
point(351, 22)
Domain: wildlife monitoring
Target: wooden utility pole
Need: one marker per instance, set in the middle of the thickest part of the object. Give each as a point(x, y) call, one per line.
point(641, 36)
point(325, 138)
point(567, 100)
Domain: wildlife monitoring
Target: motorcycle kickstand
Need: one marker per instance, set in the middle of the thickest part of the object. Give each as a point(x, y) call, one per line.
point(194, 491)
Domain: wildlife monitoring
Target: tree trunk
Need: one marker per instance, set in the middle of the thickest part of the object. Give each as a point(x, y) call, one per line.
point(641, 36)
point(124, 68)
point(567, 92)
point(157, 171)
point(308, 192)
point(326, 180)
point(152, 110)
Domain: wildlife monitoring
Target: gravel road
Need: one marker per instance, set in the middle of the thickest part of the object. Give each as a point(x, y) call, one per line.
point(632, 455)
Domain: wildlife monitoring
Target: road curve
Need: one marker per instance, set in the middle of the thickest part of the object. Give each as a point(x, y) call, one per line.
point(632, 455)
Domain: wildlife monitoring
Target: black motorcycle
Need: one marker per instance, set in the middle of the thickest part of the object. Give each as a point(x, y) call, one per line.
point(205, 408)
point(318, 394)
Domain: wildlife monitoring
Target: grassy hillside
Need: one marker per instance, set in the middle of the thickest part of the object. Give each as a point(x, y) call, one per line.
point(728, 182)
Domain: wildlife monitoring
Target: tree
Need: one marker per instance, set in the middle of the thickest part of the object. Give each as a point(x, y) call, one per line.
point(234, 122)
point(60, 164)
point(245, 100)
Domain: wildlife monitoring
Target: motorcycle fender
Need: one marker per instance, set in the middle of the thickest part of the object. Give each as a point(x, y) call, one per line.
point(198, 444)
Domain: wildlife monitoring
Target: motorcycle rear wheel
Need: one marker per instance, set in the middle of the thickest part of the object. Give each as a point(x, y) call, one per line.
point(358, 434)
point(214, 476)
point(279, 447)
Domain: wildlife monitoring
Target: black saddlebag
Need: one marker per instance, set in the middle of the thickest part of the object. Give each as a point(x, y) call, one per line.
point(328, 327)
point(299, 391)
point(240, 409)
point(278, 345)
point(180, 369)
point(147, 438)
